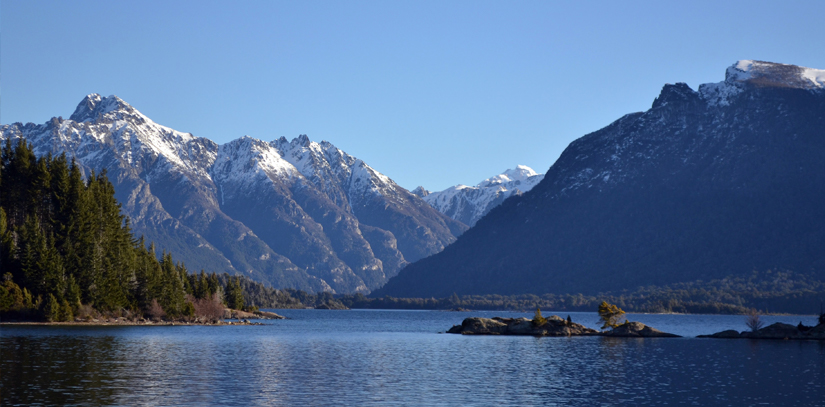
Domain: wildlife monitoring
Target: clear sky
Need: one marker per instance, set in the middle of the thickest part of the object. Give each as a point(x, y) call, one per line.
point(431, 93)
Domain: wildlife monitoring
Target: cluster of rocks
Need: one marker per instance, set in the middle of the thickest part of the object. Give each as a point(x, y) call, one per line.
point(637, 330)
point(240, 315)
point(555, 326)
point(774, 331)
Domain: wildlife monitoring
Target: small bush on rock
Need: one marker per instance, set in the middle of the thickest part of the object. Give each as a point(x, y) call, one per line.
point(539, 320)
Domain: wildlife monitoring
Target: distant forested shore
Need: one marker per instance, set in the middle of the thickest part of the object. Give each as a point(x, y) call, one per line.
point(768, 292)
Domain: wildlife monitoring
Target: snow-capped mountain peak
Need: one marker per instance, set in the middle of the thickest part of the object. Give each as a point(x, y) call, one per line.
point(94, 106)
point(468, 204)
point(520, 173)
point(761, 74)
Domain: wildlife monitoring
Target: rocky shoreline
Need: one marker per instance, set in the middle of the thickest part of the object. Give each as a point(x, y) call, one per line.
point(555, 326)
point(243, 318)
point(775, 331)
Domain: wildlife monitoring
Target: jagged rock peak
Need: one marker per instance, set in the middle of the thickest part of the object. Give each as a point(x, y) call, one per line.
point(761, 73)
point(302, 140)
point(94, 106)
point(420, 192)
point(678, 93)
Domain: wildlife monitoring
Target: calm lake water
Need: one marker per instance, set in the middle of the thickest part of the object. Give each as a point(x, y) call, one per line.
point(367, 357)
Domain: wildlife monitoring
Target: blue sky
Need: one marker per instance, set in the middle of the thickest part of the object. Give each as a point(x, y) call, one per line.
point(431, 93)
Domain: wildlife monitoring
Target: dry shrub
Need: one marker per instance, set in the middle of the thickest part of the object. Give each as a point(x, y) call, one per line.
point(155, 311)
point(753, 322)
point(208, 309)
point(86, 312)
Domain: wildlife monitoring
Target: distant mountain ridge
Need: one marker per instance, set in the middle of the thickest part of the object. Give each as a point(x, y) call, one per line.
point(468, 204)
point(705, 184)
point(296, 214)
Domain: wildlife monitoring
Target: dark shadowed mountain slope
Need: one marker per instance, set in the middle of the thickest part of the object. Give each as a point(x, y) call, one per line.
point(296, 214)
point(706, 184)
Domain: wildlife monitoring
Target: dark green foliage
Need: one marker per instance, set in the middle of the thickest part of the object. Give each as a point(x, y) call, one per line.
point(234, 294)
point(66, 312)
point(11, 296)
point(50, 309)
point(64, 239)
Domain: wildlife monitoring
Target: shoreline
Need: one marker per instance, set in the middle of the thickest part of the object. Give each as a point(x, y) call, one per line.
point(241, 317)
point(127, 323)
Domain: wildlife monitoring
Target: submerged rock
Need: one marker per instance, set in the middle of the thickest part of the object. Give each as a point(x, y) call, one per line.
point(774, 331)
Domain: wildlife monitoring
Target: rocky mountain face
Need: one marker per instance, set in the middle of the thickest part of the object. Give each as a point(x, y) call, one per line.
point(296, 214)
point(468, 204)
point(705, 184)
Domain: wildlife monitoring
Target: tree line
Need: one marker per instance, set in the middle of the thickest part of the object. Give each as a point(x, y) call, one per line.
point(66, 250)
point(766, 291)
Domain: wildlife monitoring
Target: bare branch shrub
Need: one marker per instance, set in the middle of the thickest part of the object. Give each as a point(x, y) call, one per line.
point(208, 309)
point(753, 322)
point(86, 312)
point(155, 312)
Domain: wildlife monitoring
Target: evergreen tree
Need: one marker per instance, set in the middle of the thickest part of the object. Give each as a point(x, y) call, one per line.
point(234, 294)
point(50, 309)
point(173, 295)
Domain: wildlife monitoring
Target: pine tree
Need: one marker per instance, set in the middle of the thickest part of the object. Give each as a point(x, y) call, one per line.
point(50, 309)
point(234, 293)
point(173, 295)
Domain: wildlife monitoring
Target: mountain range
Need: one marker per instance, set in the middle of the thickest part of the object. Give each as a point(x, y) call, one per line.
point(709, 183)
point(291, 213)
point(468, 204)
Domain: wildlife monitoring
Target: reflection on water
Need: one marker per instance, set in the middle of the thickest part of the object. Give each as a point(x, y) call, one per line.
point(381, 358)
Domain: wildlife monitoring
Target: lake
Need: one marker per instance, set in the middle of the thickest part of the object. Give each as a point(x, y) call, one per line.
point(372, 357)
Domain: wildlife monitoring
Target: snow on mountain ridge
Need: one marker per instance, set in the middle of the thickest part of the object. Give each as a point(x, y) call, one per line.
point(257, 207)
point(468, 204)
point(247, 160)
point(322, 162)
point(760, 73)
point(776, 74)
point(521, 173)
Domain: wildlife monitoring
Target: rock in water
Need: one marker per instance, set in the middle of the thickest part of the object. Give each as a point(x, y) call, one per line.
point(554, 326)
point(638, 330)
point(773, 331)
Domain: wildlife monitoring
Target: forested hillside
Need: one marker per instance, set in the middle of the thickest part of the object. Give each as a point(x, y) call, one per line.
point(66, 250)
